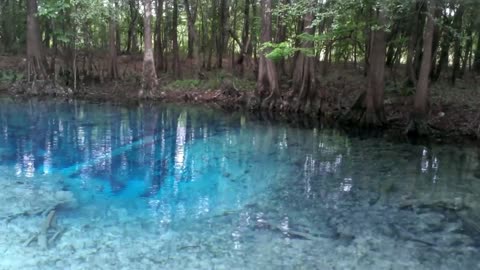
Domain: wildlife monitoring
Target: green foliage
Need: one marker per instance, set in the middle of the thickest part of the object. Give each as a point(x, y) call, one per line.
point(183, 85)
point(277, 51)
point(78, 15)
point(10, 76)
point(213, 83)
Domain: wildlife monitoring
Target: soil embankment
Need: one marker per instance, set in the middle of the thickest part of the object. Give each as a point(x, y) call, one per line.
point(454, 114)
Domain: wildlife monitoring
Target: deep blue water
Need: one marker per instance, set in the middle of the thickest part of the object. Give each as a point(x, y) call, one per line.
point(166, 187)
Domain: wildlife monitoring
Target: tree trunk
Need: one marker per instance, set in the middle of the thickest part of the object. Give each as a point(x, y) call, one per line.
point(191, 10)
point(476, 61)
point(418, 117)
point(267, 81)
point(412, 44)
point(368, 35)
point(417, 61)
point(392, 46)
point(222, 37)
point(242, 61)
point(444, 49)
point(375, 114)
point(167, 36)
point(304, 81)
point(149, 74)
point(36, 61)
point(176, 52)
point(193, 46)
point(158, 36)
point(457, 47)
point(369, 111)
point(132, 31)
point(213, 33)
point(47, 34)
point(468, 51)
point(436, 41)
point(113, 67)
point(281, 36)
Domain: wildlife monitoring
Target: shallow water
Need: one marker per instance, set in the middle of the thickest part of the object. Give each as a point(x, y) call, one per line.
point(169, 187)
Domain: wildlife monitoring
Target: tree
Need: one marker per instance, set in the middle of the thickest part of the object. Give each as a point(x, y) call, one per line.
point(191, 10)
point(368, 110)
point(149, 73)
point(457, 47)
point(304, 80)
point(267, 81)
point(375, 114)
point(414, 41)
point(222, 33)
point(418, 117)
point(193, 47)
point(159, 45)
point(476, 62)
point(176, 50)
point(132, 26)
point(36, 61)
point(113, 67)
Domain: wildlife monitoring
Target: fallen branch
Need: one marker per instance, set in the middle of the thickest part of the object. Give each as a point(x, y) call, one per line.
point(55, 236)
point(42, 237)
point(25, 213)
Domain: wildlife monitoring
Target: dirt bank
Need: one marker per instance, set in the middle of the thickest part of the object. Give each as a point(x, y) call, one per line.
point(454, 114)
point(452, 117)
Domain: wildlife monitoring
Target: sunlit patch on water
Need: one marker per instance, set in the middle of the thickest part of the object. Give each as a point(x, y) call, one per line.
point(187, 188)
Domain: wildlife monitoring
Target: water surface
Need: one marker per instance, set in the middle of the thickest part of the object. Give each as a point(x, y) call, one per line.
point(170, 187)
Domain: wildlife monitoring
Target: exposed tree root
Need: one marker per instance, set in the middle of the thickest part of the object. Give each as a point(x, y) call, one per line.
point(39, 88)
point(270, 102)
point(418, 127)
point(363, 117)
point(229, 89)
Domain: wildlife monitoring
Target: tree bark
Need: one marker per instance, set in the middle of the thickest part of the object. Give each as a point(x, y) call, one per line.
point(222, 36)
point(176, 51)
point(375, 113)
point(191, 10)
point(304, 80)
point(149, 73)
point(436, 41)
point(457, 46)
point(418, 117)
point(476, 61)
point(193, 46)
point(36, 61)
point(158, 36)
point(444, 49)
point(412, 44)
point(267, 81)
point(113, 67)
point(369, 111)
point(468, 51)
point(242, 61)
point(132, 31)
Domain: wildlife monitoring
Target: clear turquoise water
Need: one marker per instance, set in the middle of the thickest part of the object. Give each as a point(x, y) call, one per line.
point(170, 187)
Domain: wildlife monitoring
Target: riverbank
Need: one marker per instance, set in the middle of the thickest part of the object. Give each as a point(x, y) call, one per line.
point(454, 115)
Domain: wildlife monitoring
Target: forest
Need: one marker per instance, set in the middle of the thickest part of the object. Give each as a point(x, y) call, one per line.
point(413, 64)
